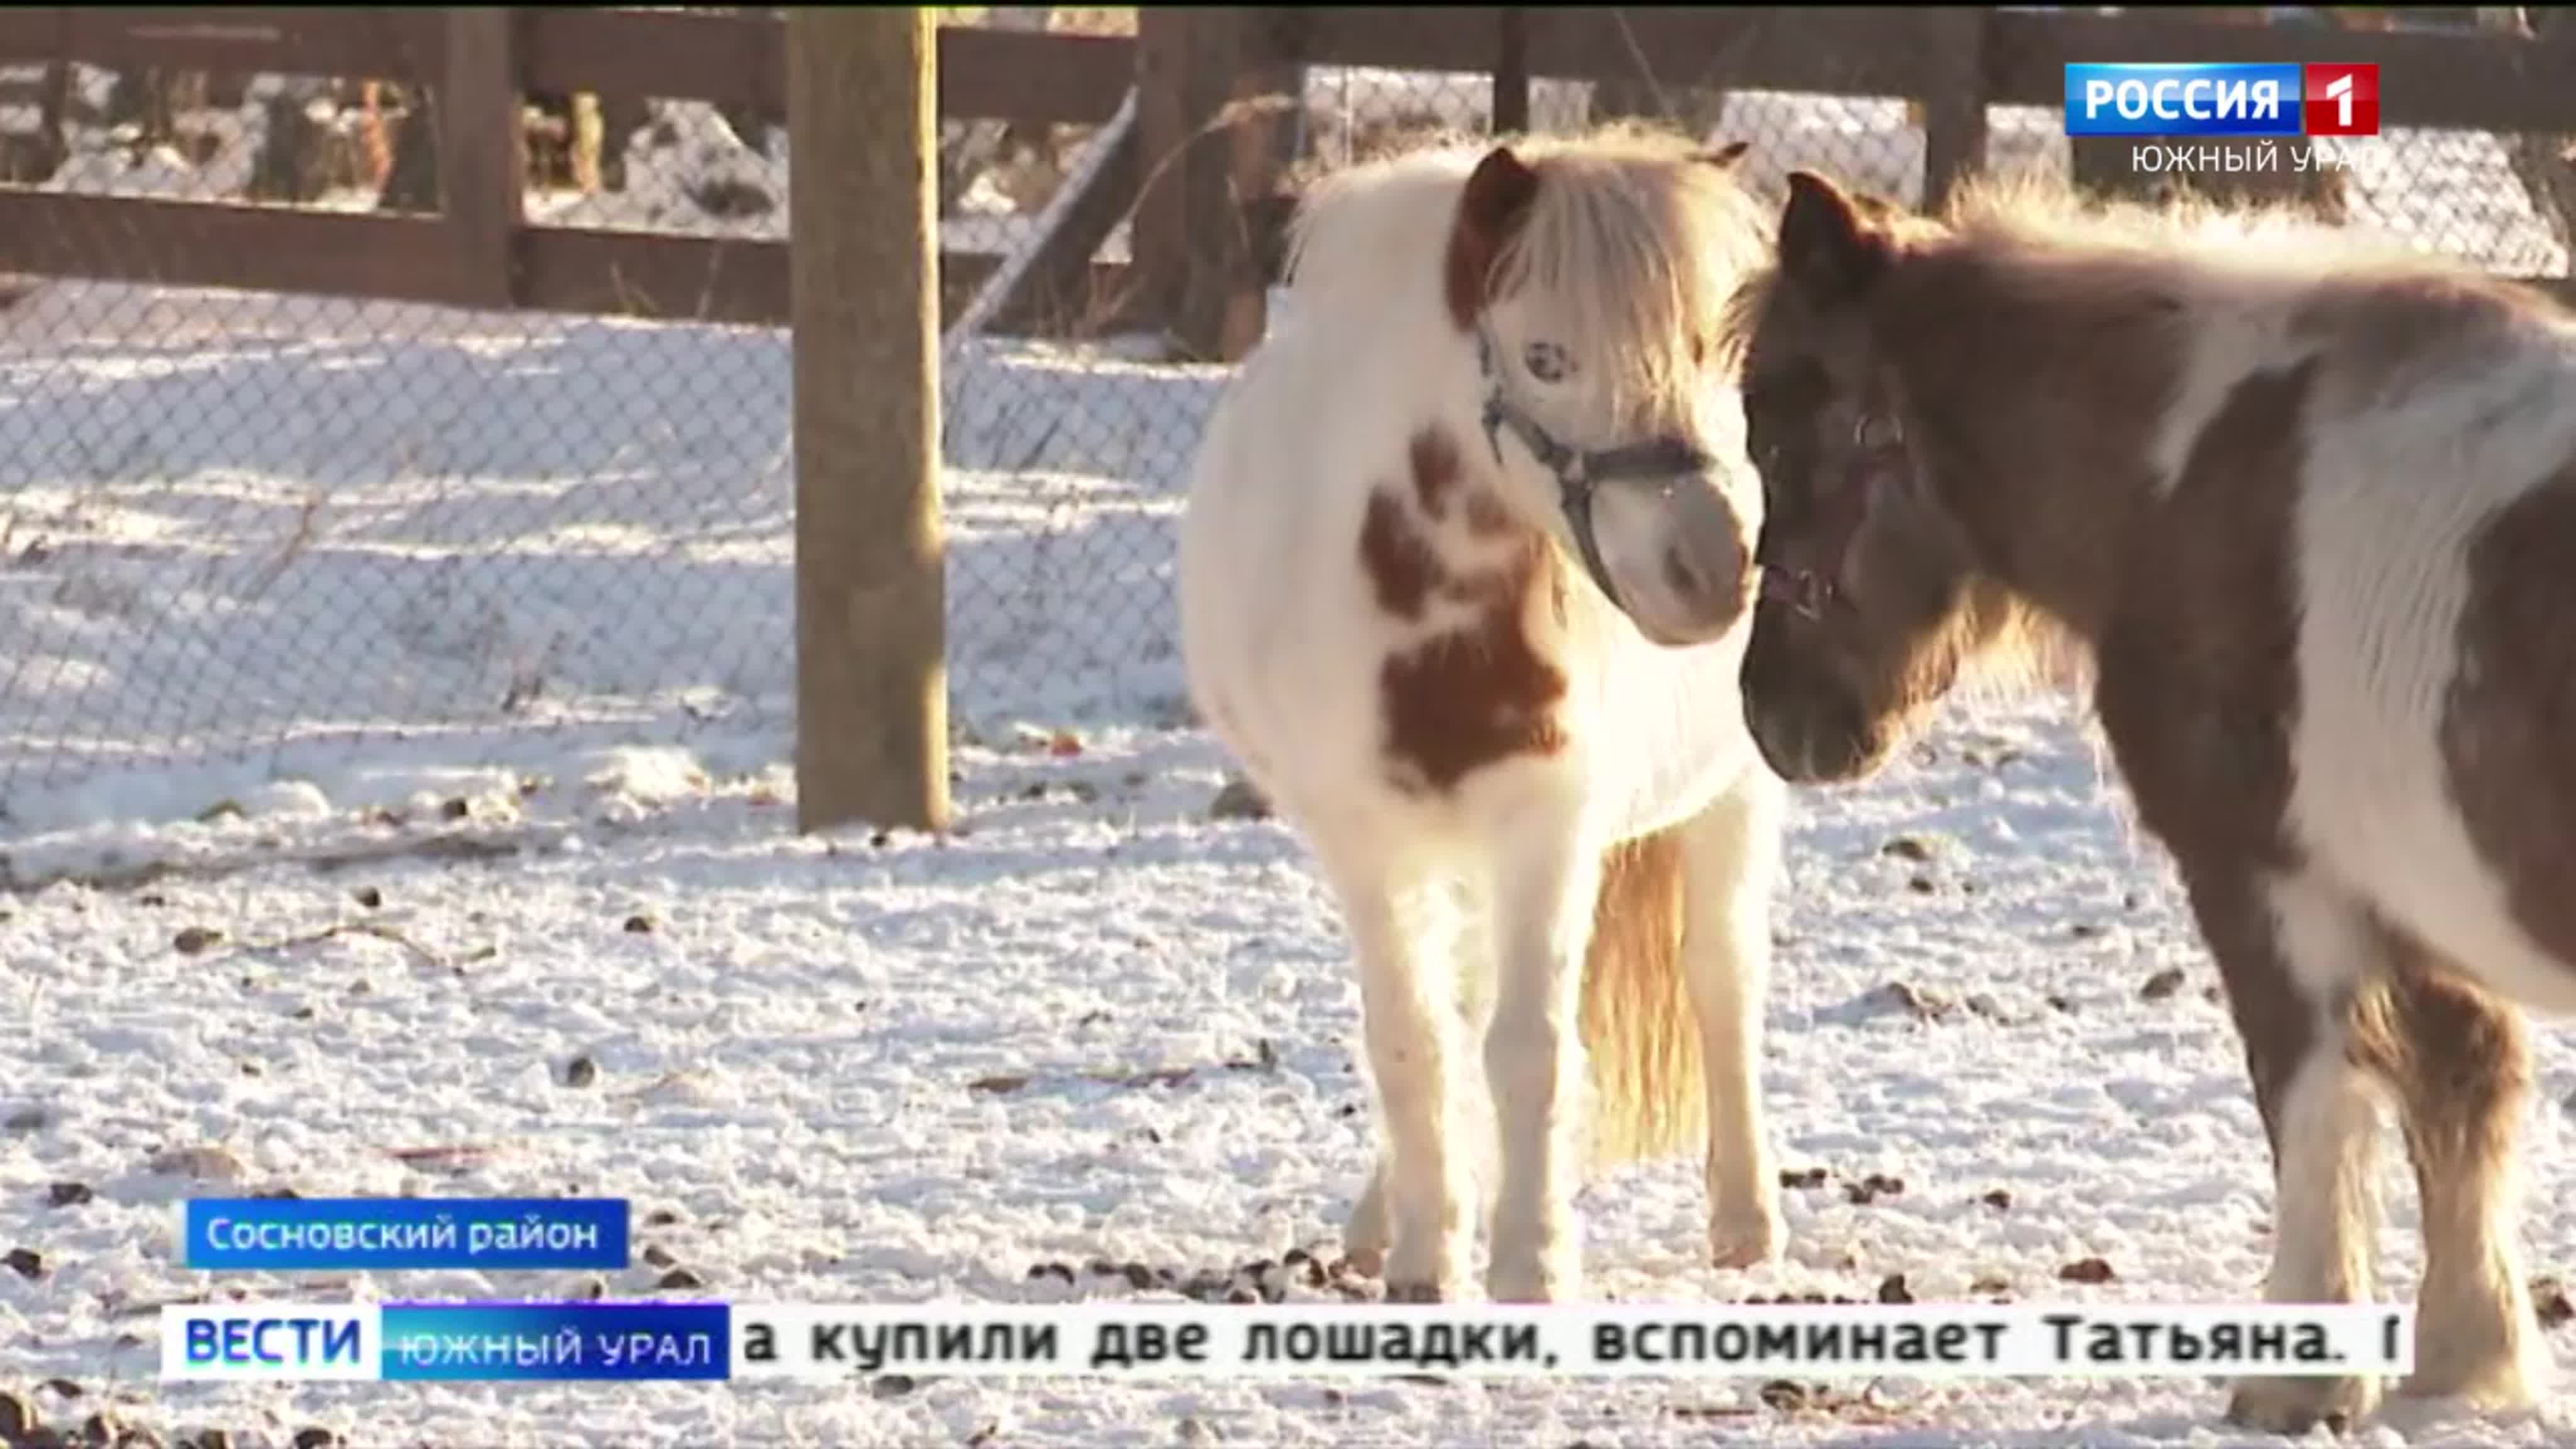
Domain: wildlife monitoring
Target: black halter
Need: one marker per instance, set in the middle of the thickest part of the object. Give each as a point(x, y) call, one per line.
point(1878, 450)
point(1659, 460)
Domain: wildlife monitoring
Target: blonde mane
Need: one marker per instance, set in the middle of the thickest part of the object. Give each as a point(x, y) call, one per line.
point(1631, 248)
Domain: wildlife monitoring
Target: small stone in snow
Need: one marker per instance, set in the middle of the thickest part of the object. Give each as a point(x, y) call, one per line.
point(25, 1262)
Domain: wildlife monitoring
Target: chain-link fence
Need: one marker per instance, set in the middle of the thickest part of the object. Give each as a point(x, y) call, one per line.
point(248, 537)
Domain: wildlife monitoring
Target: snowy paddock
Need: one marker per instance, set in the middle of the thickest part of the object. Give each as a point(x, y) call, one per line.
point(486, 884)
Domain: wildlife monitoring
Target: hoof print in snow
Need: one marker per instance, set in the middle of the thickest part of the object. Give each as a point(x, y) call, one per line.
point(1988, 1283)
point(660, 1218)
point(25, 1119)
point(639, 925)
point(1239, 800)
point(1784, 1395)
point(68, 1194)
point(1802, 1177)
point(2163, 984)
point(1900, 996)
point(2549, 1302)
point(317, 1438)
point(455, 810)
point(368, 896)
point(680, 1278)
point(2086, 1270)
point(25, 1262)
point(1051, 1270)
point(892, 1386)
point(1892, 1289)
point(1999, 1198)
point(657, 1256)
point(1908, 847)
point(210, 1164)
point(193, 940)
point(581, 1071)
point(998, 1083)
point(1873, 1187)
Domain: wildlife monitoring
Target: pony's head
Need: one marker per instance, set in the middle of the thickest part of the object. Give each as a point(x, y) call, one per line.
point(1591, 276)
point(1870, 602)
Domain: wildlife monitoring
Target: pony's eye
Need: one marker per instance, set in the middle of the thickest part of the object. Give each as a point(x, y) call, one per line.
point(1546, 361)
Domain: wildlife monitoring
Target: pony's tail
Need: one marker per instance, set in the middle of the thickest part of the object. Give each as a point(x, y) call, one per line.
point(1640, 1033)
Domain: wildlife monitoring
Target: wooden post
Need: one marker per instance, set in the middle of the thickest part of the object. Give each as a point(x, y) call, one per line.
point(1186, 227)
point(480, 162)
point(1511, 71)
point(1954, 113)
point(1269, 90)
point(863, 273)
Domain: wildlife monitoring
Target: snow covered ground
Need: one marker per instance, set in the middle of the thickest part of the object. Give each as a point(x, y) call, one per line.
point(491, 887)
point(887, 1069)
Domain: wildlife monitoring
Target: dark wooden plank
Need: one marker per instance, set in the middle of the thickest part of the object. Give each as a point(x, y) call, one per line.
point(1831, 50)
point(737, 59)
point(666, 278)
point(1403, 37)
point(2475, 82)
point(375, 43)
point(740, 59)
point(481, 157)
point(1056, 283)
point(1029, 75)
point(210, 244)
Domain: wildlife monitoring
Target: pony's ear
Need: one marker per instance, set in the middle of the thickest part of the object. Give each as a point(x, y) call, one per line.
point(1828, 247)
point(1496, 202)
point(1499, 193)
point(1724, 156)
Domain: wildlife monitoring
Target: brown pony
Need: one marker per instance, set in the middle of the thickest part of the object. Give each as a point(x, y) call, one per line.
point(2308, 503)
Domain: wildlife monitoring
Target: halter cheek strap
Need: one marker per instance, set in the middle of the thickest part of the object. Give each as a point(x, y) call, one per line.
point(1579, 471)
point(1878, 451)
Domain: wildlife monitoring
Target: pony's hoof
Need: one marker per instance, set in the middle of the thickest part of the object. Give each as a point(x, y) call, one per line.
point(1539, 1282)
point(2293, 1406)
point(1752, 1243)
point(2505, 1386)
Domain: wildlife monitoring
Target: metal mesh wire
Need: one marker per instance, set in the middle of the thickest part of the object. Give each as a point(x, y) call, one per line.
point(273, 530)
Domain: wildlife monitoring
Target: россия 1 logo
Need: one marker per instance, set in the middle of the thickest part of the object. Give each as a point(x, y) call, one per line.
point(2192, 98)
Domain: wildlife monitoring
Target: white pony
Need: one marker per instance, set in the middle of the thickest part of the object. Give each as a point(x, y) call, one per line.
point(1463, 582)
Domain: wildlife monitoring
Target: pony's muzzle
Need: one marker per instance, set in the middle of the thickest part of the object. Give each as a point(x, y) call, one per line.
point(1676, 555)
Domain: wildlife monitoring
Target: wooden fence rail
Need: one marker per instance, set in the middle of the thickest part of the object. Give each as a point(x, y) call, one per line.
point(1199, 191)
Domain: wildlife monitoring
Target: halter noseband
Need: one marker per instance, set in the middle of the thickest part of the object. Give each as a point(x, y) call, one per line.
point(1578, 471)
point(1878, 450)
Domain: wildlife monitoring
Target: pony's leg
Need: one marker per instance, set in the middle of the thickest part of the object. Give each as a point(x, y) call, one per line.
point(1731, 856)
point(2462, 1069)
point(1371, 1229)
point(1546, 876)
point(1408, 1028)
point(2293, 951)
